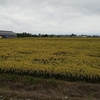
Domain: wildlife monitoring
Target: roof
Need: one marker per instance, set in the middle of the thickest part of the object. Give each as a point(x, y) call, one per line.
point(7, 32)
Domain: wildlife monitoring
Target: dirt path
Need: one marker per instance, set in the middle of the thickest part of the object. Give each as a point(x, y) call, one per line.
point(47, 90)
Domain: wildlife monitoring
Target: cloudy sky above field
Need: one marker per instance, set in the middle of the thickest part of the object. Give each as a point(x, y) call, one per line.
point(51, 16)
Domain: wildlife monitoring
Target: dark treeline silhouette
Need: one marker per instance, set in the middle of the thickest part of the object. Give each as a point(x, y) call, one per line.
point(25, 34)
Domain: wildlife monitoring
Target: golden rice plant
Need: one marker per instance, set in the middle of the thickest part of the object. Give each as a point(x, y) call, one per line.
point(73, 59)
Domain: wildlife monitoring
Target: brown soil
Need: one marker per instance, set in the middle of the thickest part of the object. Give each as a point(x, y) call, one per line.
point(50, 90)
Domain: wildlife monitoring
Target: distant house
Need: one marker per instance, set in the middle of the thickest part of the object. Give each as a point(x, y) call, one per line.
point(7, 34)
point(84, 36)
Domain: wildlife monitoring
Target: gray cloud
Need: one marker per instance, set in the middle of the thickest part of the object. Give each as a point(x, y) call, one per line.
point(50, 16)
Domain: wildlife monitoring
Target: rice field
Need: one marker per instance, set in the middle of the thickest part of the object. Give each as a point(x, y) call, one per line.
point(71, 59)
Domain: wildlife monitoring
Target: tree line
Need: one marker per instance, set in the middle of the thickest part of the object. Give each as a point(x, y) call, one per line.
point(25, 34)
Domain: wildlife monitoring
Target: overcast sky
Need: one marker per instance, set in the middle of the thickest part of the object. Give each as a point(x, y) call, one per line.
point(51, 16)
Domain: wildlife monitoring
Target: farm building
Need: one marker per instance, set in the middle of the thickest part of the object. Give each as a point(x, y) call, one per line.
point(7, 34)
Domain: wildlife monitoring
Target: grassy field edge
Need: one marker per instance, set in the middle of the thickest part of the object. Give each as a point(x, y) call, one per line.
point(43, 89)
